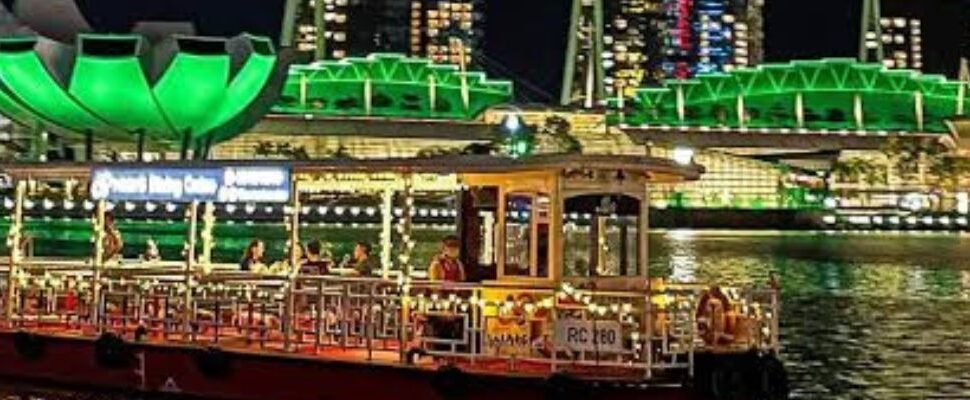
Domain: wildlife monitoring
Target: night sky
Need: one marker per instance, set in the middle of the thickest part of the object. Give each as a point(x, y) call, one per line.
point(527, 36)
point(525, 40)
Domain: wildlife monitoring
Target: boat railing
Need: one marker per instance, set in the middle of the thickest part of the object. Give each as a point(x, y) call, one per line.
point(515, 328)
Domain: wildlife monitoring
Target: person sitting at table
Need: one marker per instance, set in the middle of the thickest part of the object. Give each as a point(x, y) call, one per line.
point(151, 253)
point(112, 243)
point(253, 255)
point(314, 263)
point(362, 262)
point(445, 266)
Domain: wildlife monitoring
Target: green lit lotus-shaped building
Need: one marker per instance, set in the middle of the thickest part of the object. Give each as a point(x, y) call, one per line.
point(184, 92)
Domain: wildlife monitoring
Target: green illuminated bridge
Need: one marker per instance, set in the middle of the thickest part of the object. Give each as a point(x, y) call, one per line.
point(389, 85)
point(814, 96)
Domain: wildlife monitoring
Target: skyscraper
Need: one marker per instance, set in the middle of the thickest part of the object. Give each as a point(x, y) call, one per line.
point(437, 29)
point(703, 36)
point(632, 45)
point(902, 42)
point(446, 31)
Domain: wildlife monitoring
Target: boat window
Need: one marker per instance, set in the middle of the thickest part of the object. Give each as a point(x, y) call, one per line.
point(601, 235)
point(527, 235)
point(478, 228)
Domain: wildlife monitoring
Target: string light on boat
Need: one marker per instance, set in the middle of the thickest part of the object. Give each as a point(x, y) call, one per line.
point(8, 203)
point(47, 204)
point(170, 207)
point(250, 208)
point(88, 205)
point(129, 206)
point(29, 204)
point(150, 207)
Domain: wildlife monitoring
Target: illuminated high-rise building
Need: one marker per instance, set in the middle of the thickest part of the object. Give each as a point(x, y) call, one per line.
point(446, 31)
point(632, 45)
point(704, 36)
point(436, 29)
point(902, 42)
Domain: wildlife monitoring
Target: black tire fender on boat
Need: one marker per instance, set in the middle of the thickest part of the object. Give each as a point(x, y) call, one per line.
point(450, 382)
point(563, 386)
point(111, 351)
point(29, 346)
point(773, 378)
point(734, 377)
point(213, 363)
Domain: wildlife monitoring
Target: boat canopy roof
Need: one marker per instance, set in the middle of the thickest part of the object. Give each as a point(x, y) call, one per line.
point(656, 169)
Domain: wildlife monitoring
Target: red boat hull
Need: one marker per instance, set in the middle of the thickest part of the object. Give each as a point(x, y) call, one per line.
point(267, 376)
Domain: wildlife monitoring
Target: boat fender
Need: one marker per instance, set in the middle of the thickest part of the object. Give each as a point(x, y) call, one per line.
point(731, 378)
point(29, 346)
point(773, 378)
point(213, 363)
point(563, 386)
point(111, 351)
point(450, 382)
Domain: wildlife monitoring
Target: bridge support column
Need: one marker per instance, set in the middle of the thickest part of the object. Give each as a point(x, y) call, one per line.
point(918, 110)
point(858, 112)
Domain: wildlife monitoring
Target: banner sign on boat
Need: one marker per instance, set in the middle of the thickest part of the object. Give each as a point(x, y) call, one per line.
point(219, 184)
point(583, 335)
point(508, 338)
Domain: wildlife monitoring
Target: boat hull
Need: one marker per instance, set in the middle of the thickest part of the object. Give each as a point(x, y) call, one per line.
point(245, 375)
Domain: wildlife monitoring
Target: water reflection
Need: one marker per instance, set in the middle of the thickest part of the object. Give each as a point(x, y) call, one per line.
point(864, 316)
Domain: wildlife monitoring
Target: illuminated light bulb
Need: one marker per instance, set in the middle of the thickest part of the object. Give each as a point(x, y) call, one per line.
point(170, 207)
point(305, 210)
point(28, 204)
point(88, 205)
point(268, 209)
point(129, 206)
point(110, 206)
point(370, 211)
point(355, 211)
point(230, 208)
point(7, 202)
point(48, 204)
point(338, 210)
point(250, 208)
point(322, 210)
point(151, 207)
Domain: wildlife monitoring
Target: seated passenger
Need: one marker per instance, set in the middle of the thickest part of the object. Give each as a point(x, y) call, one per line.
point(445, 266)
point(314, 264)
point(362, 262)
point(253, 255)
point(151, 253)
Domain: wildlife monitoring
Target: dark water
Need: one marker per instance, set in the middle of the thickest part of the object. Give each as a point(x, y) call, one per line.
point(864, 316)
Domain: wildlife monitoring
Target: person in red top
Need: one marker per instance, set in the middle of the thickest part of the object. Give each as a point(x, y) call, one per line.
point(445, 266)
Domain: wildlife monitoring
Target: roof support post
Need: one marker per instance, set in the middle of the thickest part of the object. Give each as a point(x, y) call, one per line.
point(800, 109)
point(387, 220)
point(97, 263)
point(189, 268)
point(16, 250)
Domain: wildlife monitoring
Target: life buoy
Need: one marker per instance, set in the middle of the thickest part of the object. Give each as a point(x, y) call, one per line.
point(713, 322)
point(29, 346)
point(111, 351)
point(450, 382)
point(213, 363)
